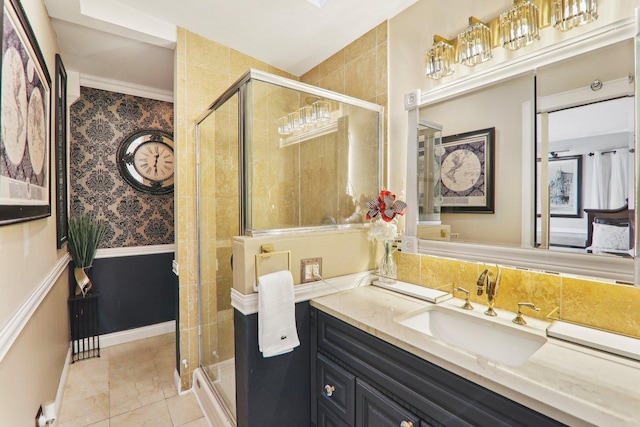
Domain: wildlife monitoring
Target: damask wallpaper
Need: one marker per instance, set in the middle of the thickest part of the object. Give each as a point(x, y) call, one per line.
point(100, 120)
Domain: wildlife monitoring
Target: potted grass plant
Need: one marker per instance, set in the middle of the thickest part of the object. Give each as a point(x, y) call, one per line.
point(85, 234)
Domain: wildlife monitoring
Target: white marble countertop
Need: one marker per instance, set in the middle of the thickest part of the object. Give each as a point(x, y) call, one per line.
point(573, 384)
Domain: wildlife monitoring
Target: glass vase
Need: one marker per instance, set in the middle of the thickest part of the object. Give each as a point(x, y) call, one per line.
point(387, 269)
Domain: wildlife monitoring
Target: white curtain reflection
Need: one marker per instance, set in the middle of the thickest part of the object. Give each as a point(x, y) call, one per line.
point(609, 187)
point(618, 193)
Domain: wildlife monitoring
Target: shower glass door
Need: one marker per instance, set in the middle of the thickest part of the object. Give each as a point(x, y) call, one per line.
point(218, 221)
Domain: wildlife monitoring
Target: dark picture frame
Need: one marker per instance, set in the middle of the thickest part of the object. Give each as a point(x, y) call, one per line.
point(61, 153)
point(25, 141)
point(565, 191)
point(467, 172)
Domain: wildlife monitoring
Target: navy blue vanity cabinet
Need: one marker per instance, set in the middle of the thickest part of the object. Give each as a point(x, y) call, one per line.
point(337, 389)
point(373, 409)
point(393, 386)
point(328, 418)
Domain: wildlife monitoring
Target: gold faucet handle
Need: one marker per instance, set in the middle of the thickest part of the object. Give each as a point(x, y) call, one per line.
point(481, 281)
point(519, 319)
point(467, 305)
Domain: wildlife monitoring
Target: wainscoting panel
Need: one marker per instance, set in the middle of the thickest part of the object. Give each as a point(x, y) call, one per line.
point(272, 391)
point(135, 291)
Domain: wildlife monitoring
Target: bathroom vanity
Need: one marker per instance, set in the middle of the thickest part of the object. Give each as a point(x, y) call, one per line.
point(371, 369)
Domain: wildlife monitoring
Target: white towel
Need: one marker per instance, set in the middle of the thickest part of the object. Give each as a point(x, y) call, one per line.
point(277, 333)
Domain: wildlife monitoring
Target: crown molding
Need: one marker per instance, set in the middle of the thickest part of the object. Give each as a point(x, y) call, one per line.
point(126, 88)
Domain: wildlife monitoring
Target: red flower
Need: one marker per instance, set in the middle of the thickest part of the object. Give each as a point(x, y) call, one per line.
point(386, 205)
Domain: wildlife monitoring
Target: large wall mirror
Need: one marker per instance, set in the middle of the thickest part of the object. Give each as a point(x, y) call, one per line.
point(564, 158)
point(585, 153)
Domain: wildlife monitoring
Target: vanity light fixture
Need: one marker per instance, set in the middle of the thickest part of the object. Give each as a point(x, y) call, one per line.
point(318, 118)
point(568, 14)
point(519, 25)
point(440, 58)
point(474, 43)
point(306, 116)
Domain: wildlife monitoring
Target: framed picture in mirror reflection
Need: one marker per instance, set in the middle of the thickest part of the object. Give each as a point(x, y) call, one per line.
point(467, 172)
point(564, 177)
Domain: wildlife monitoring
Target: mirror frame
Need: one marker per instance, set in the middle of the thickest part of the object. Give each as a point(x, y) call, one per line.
point(615, 269)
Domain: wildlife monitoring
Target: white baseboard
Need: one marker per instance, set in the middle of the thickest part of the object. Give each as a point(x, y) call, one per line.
point(115, 338)
point(177, 382)
point(62, 384)
point(210, 404)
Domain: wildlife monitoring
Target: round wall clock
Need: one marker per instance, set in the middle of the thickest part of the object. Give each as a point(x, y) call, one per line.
point(146, 161)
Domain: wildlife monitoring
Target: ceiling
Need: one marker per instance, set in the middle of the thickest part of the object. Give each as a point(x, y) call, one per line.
point(133, 41)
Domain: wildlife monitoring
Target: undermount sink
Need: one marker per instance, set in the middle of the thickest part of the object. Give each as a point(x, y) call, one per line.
point(498, 342)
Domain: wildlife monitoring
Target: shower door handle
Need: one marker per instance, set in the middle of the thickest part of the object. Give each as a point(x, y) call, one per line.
point(231, 262)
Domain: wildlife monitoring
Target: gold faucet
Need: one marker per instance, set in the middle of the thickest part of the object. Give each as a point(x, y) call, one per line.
point(491, 284)
point(519, 319)
point(467, 305)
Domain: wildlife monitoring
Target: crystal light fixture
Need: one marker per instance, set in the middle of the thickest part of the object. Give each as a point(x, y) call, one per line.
point(307, 116)
point(519, 25)
point(440, 58)
point(474, 43)
point(568, 14)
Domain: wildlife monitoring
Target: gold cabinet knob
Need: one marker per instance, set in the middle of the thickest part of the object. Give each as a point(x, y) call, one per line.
point(328, 390)
point(406, 424)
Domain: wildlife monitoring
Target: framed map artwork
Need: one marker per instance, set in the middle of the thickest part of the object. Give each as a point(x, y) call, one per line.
point(25, 188)
point(467, 172)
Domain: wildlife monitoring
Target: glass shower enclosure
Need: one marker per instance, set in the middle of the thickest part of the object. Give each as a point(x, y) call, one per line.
point(273, 155)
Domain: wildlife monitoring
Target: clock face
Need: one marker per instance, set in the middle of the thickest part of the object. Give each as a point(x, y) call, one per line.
point(146, 161)
point(154, 161)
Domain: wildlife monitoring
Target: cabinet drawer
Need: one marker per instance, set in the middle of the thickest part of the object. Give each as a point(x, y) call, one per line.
point(374, 409)
point(327, 418)
point(336, 389)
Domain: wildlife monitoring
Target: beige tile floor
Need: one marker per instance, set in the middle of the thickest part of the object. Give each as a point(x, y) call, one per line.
point(129, 385)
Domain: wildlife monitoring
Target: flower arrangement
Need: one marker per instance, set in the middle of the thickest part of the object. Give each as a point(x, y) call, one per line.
point(384, 209)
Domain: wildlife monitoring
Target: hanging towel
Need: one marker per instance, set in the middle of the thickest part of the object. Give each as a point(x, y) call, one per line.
point(277, 333)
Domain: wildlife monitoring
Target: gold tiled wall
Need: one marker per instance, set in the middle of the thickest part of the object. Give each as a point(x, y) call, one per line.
point(589, 302)
point(275, 205)
point(358, 70)
point(204, 69)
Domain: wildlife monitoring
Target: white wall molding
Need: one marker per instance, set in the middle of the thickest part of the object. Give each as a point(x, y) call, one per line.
point(63, 382)
point(11, 331)
point(135, 251)
point(115, 338)
point(126, 88)
point(177, 382)
point(248, 304)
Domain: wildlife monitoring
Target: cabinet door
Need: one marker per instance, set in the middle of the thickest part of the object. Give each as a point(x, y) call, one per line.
point(373, 409)
point(336, 388)
point(328, 418)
